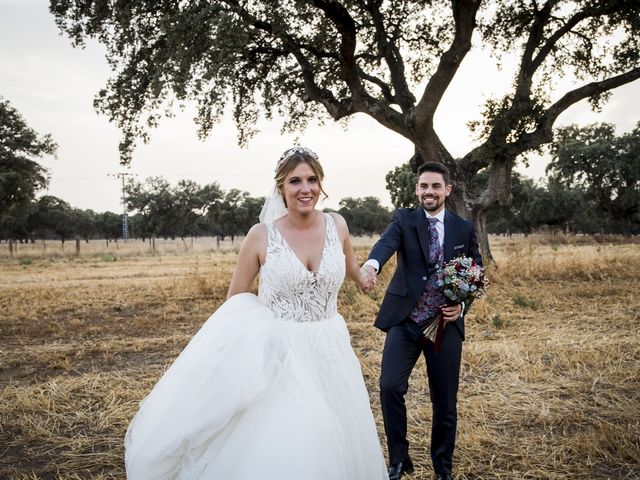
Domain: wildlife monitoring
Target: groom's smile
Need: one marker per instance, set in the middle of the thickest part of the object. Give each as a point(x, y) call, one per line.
point(432, 191)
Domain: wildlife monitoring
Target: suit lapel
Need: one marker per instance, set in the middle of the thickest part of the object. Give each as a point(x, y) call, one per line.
point(449, 240)
point(422, 227)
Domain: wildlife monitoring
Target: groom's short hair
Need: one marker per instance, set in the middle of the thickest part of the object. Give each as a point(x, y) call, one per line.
point(435, 167)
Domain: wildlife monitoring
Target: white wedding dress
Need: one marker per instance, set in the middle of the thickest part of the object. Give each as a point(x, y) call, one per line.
point(268, 389)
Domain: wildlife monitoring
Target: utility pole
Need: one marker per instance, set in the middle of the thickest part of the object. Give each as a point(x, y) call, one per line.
point(125, 215)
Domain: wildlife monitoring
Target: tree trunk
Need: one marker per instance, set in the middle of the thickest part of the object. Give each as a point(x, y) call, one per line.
point(457, 204)
point(479, 222)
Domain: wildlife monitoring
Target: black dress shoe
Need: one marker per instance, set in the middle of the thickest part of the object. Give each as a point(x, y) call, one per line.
point(444, 476)
point(396, 470)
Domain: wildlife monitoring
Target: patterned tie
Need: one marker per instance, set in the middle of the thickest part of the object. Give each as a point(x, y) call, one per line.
point(436, 256)
point(428, 305)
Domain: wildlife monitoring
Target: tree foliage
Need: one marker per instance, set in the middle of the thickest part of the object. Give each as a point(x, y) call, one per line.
point(19, 222)
point(365, 216)
point(109, 226)
point(21, 176)
point(391, 60)
point(54, 215)
point(158, 210)
point(605, 167)
point(401, 185)
point(169, 211)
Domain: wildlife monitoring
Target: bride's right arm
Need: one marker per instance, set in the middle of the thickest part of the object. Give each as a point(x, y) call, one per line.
point(252, 252)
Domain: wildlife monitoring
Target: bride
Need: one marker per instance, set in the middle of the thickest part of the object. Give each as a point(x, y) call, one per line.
point(269, 388)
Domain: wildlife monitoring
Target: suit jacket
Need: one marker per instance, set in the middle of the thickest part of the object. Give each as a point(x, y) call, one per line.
point(407, 235)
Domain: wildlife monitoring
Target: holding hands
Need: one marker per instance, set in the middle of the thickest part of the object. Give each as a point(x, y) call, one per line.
point(368, 278)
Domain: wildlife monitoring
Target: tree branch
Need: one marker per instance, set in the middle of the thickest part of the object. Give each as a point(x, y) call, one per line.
point(361, 100)
point(464, 13)
point(384, 88)
point(530, 62)
point(483, 155)
point(604, 8)
point(551, 42)
point(527, 65)
point(544, 130)
point(316, 52)
point(392, 56)
point(336, 108)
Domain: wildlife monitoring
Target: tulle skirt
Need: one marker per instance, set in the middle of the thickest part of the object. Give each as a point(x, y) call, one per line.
point(252, 397)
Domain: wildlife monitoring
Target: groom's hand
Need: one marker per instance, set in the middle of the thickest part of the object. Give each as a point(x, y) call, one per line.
point(452, 313)
point(368, 278)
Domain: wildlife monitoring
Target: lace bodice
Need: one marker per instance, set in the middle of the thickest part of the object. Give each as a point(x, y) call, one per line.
point(290, 290)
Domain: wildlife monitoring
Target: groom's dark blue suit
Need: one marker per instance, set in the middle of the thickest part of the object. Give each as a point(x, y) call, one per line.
point(407, 235)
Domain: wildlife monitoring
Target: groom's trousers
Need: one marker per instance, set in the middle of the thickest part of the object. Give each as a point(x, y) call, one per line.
point(402, 349)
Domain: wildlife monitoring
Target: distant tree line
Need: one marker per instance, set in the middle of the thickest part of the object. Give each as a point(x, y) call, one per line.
point(365, 216)
point(158, 210)
point(189, 210)
point(162, 211)
point(592, 186)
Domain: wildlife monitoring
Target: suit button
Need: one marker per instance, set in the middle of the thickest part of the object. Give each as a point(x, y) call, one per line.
point(424, 278)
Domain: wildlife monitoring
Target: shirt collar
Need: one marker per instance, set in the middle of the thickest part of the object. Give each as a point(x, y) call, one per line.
point(439, 216)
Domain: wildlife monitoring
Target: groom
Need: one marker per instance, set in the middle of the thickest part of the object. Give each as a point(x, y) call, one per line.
point(423, 239)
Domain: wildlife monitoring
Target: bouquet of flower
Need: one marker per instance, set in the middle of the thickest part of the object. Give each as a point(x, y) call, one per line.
point(461, 279)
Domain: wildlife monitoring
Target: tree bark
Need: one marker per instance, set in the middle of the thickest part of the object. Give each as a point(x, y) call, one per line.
point(479, 222)
point(459, 204)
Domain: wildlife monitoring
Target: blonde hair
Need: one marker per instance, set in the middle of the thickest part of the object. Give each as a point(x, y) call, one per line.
point(290, 160)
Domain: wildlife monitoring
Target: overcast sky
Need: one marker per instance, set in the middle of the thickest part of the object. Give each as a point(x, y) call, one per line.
point(53, 85)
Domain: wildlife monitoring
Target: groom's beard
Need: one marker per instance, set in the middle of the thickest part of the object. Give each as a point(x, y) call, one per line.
point(431, 207)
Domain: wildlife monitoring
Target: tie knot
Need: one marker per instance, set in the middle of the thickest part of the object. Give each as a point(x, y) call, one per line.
point(432, 220)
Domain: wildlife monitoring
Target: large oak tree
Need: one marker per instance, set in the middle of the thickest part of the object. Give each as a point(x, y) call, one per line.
point(392, 60)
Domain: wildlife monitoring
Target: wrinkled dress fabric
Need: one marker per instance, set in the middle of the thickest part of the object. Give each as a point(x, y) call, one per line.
point(269, 387)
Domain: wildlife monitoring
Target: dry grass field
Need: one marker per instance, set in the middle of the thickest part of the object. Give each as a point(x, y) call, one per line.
point(550, 383)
